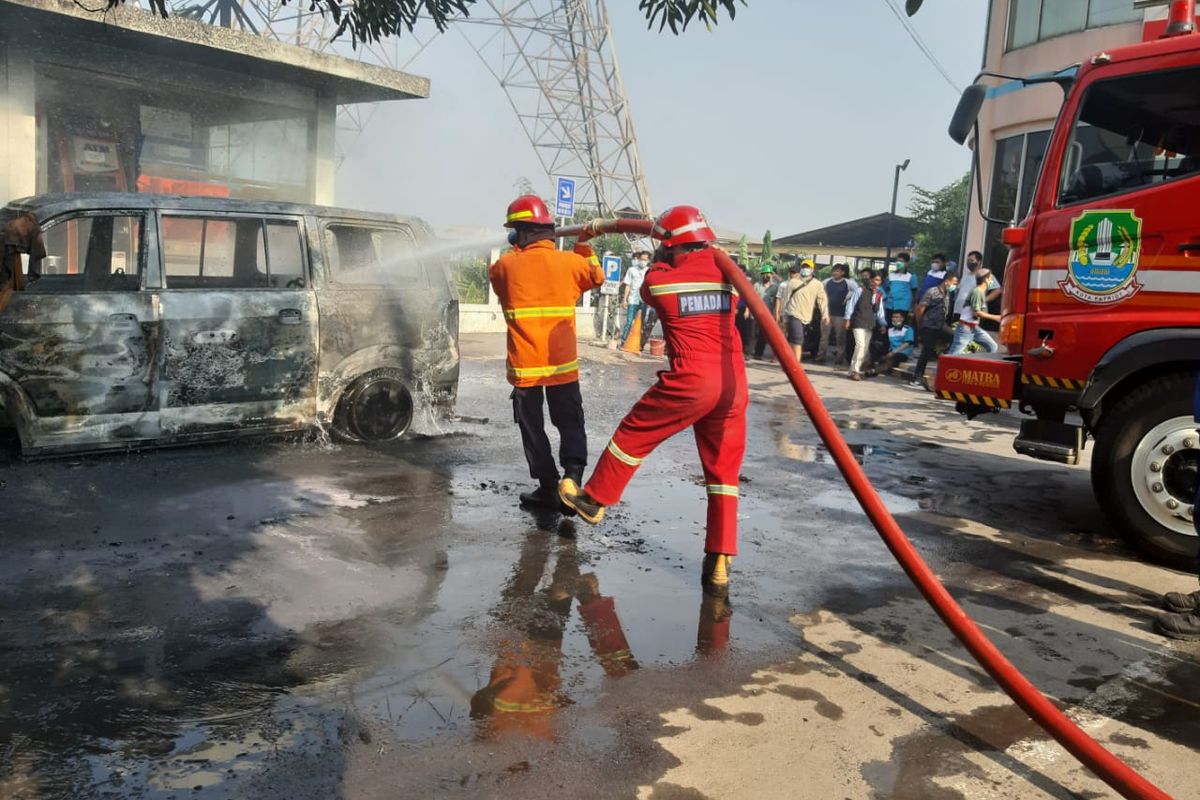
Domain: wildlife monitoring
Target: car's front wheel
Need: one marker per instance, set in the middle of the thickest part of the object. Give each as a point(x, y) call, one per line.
point(375, 407)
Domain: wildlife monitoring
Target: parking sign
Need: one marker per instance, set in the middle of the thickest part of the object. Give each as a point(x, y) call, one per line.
point(565, 199)
point(612, 275)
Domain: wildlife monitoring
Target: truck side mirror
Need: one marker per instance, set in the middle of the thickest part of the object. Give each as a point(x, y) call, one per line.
point(967, 112)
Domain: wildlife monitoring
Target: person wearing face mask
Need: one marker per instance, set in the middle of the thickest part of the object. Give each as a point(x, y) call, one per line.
point(901, 341)
point(837, 288)
point(805, 302)
point(899, 288)
point(937, 271)
point(864, 317)
point(704, 388)
point(538, 287)
point(631, 292)
point(767, 290)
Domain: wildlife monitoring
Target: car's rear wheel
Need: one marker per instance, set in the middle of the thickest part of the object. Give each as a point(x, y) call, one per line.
point(1145, 468)
point(376, 407)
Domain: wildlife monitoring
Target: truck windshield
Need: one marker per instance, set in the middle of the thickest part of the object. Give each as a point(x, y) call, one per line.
point(1133, 132)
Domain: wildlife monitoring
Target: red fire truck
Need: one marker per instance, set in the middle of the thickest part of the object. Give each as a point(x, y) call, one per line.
point(1101, 308)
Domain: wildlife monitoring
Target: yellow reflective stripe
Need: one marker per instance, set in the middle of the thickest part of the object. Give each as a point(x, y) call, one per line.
point(679, 288)
point(543, 372)
point(722, 488)
point(521, 708)
point(519, 215)
point(622, 456)
point(545, 311)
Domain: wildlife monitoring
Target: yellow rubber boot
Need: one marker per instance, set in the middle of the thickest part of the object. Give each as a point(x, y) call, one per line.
point(714, 575)
point(579, 501)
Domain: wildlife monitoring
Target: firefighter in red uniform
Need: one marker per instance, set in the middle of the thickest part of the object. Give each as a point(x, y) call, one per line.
point(705, 388)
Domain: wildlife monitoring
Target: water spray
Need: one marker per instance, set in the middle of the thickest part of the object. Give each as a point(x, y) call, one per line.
point(1087, 750)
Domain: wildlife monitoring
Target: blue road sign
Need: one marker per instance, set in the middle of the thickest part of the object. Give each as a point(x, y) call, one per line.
point(612, 268)
point(565, 198)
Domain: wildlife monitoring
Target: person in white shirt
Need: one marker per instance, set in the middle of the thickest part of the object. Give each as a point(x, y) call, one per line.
point(631, 291)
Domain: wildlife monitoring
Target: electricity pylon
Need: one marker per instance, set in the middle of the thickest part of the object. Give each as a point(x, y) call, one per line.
point(554, 59)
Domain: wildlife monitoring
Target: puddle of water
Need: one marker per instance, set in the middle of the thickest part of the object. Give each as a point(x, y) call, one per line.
point(819, 454)
point(843, 500)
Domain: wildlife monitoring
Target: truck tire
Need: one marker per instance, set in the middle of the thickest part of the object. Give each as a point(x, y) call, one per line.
point(375, 407)
point(1144, 469)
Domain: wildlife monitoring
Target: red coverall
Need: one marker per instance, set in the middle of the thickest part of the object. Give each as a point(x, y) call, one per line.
point(705, 388)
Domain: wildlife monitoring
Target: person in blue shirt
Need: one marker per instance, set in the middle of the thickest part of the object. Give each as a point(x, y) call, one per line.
point(901, 341)
point(937, 270)
point(899, 286)
point(1183, 621)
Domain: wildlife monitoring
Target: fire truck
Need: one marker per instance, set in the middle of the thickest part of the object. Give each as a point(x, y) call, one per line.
point(1101, 305)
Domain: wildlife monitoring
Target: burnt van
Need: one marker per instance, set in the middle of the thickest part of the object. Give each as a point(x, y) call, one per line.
point(159, 319)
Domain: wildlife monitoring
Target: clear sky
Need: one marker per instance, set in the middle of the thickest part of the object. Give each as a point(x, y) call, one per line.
point(788, 118)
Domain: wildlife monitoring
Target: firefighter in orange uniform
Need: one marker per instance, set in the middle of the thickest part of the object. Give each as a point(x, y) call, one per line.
point(704, 388)
point(524, 689)
point(538, 287)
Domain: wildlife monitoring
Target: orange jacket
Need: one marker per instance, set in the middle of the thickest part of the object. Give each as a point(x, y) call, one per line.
point(538, 287)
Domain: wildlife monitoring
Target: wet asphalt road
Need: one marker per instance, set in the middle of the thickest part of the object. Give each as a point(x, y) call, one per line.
point(300, 620)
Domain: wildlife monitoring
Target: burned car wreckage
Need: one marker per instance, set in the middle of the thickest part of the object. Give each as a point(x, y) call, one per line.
point(158, 319)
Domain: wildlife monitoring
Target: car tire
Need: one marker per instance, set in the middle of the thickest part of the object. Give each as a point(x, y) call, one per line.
point(1146, 458)
point(375, 407)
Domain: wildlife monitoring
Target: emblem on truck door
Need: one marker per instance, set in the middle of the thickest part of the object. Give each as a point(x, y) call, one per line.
point(1106, 246)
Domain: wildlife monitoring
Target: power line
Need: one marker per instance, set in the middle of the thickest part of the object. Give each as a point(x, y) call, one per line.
point(920, 43)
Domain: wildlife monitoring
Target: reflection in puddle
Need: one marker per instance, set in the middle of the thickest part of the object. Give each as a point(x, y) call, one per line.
point(819, 454)
point(525, 688)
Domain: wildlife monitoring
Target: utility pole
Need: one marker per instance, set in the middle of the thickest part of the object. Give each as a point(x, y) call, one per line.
point(887, 261)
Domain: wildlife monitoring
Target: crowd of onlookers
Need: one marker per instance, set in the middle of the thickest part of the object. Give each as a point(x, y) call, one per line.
point(876, 321)
point(872, 322)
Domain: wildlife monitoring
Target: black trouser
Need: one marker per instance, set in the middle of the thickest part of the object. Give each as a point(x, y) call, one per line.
point(929, 339)
point(745, 326)
point(566, 414)
point(760, 346)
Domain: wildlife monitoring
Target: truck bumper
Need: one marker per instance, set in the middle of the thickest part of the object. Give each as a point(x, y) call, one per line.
point(978, 382)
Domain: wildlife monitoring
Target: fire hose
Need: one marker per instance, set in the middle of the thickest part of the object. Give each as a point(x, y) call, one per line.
point(1087, 750)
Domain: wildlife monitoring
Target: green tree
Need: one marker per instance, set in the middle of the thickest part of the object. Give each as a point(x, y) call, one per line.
point(768, 248)
point(939, 214)
point(524, 186)
point(744, 252)
point(372, 20)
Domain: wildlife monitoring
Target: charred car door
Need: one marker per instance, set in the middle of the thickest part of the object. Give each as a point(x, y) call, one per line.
point(81, 342)
point(239, 323)
point(384, 307)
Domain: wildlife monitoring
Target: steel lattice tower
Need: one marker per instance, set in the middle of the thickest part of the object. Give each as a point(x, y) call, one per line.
point(555, 60)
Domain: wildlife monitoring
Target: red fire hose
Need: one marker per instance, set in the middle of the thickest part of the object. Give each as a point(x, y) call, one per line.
point(1090, 753)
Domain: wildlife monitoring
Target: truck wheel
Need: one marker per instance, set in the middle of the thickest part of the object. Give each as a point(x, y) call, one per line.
point(1145, 467)
point(376, 407)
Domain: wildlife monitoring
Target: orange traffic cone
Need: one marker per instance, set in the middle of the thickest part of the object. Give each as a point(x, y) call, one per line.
point(633, 342)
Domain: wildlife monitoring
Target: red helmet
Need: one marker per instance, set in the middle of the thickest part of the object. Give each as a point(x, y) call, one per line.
point(528, 208)
point(681, 225)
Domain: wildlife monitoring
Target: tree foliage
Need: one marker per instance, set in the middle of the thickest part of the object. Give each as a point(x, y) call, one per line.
point(372, 20)
point(939, 214)
point(768, 249)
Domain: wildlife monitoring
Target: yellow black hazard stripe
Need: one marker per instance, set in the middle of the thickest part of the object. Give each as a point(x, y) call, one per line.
point(1053, 383)
point(979, 400)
